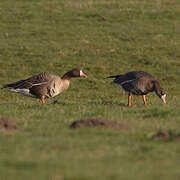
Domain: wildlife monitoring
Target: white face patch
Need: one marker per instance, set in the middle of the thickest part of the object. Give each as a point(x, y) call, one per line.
point(163, 96)
point(81, 72)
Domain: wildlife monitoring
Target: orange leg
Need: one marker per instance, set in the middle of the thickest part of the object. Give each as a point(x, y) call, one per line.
point(144, 99)
point(129, 101)
point(42, 101)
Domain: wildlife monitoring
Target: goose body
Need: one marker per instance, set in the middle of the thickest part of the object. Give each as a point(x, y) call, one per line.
point(139, 83)
point(44, 85)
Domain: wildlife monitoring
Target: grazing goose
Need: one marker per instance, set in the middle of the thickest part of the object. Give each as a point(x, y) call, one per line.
point(44, 85)
point(139, 83)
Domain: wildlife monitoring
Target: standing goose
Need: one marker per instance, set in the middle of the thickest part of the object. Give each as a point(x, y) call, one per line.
point(139, 83)
point(44, 85)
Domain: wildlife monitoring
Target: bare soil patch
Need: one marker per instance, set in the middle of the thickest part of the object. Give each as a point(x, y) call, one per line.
point(7, 124)
point(98, 123)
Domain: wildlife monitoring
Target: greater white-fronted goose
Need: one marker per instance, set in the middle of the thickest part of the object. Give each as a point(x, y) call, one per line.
point(44, 85)
point(139, 83)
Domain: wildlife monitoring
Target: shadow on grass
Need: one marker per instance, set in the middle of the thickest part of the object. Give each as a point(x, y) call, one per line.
point(92, 103)
point(21, 165)
point(157, 113)
point(107, 103)
point(68, 103)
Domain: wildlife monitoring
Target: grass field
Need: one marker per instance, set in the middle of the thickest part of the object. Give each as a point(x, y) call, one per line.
point(104, 37)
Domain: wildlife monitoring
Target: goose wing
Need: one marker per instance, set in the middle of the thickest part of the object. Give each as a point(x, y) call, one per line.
point(37, 80)
point(127, 82)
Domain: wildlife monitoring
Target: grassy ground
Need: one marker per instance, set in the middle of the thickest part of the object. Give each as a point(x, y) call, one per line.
point(103, 38)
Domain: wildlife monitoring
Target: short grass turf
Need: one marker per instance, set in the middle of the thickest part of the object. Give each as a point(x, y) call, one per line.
point(103, 38)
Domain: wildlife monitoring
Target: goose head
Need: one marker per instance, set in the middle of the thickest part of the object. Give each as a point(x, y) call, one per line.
point(159, 91)
point(74, 73)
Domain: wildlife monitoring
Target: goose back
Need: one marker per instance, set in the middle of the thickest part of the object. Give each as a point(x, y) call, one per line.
point(136, 82)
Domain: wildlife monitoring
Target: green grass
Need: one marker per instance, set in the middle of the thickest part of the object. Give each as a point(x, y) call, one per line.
point(103, 38)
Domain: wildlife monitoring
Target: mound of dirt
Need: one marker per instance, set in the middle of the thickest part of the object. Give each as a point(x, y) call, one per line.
point(165, 135)
point(7, 124)
point(99, 123)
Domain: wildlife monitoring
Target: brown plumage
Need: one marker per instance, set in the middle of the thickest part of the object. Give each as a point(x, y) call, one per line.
point(44, 85)
point(139, 83)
